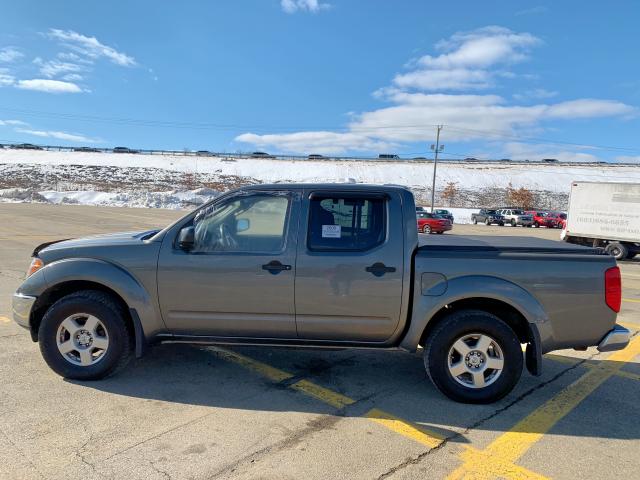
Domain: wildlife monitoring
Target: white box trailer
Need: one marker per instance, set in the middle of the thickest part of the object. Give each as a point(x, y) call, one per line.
point(605, 215)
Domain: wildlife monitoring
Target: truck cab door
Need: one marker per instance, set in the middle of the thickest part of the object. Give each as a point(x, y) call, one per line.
point(350, 265)
point(238, 279)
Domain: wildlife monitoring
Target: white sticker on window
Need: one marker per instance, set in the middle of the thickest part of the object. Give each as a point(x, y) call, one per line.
point(331, 231)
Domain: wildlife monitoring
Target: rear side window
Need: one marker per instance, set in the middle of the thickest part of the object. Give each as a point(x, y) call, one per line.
point(346, 223)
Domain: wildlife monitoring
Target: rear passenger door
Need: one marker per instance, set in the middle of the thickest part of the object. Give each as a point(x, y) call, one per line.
point(349, 268)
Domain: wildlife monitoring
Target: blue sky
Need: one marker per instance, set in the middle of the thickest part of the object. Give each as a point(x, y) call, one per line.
point(508, 79)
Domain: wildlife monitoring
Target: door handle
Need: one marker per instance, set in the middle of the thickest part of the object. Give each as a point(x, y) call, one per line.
point(379, 269)
point(274, 267)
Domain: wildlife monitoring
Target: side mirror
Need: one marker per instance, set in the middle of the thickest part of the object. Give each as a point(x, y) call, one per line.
point(186, 238)
point(242, 225)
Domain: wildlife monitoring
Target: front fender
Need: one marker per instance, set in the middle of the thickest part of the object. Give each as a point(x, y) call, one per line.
point(104, 273)
point(425, 307)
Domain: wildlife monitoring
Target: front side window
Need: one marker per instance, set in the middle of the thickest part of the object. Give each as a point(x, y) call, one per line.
point(345, 224)
point(254, 223)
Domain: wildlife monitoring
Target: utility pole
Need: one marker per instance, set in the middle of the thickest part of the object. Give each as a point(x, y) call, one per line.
point(437, 148)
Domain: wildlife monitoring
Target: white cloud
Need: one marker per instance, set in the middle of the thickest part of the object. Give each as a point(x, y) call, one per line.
point(72, 137)
point(10, 54)
point(315, 142)
point(314, 6)
point(53, 68)
point(91, 47)
point(13, 123)
point(49, 86)
point(588, 108)
point(469, 60)
point(6, 79)
point(72, 77)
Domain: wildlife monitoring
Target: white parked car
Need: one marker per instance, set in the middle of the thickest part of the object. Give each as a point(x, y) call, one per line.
point(514, 217)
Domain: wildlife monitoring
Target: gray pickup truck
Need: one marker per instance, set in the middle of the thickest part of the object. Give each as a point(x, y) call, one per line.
point(337, 266)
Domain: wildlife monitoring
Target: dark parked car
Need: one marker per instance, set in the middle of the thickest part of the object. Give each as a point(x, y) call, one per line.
point(262, 155)
point(444, 214)
point(315, 156)
point(122, 150)
point(85, 149)
point(26, 146)
point(488, 217)
point(389, 156)
point(203, 153)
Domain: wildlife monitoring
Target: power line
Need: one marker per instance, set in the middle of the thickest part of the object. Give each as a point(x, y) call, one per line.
point(124, 121)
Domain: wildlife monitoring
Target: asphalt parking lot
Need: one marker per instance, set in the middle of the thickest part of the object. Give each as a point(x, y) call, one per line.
point(203, 412)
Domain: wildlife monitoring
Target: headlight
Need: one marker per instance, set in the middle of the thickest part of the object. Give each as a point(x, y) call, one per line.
point(36, 264)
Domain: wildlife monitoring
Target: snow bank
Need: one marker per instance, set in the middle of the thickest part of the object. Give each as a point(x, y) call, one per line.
point(471, 176)
point(170, 200)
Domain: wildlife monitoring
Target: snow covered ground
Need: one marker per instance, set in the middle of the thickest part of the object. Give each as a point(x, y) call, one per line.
point(168, 181)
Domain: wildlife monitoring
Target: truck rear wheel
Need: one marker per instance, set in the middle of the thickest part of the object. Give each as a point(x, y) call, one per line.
point(475, 221)
point(473, 357)
point(83, 336)
point(617, 250)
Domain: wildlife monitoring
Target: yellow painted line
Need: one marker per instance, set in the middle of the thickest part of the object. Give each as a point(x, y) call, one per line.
point(511, 445)
point(421, 435)
point(5, 319)
point(325, 395)
point(263, 369)
point(633, 326)
point(337, 400)
point(590, 364)
point(632, 300)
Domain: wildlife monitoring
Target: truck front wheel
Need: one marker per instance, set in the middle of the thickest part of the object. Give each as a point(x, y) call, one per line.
point(84, 336)
point(473, 356)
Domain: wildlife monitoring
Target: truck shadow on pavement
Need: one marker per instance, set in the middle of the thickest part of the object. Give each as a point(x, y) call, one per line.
point(394, 382)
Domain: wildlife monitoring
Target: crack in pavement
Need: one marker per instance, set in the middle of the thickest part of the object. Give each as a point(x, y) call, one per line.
point(317, 424)
point(164, 473)
point(22, 454)
point(417, 459)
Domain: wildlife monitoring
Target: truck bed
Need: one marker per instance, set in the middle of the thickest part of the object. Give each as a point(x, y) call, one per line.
point(483, 243)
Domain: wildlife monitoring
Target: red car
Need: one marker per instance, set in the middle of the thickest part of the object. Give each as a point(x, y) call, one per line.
point(560, 219)
point(542, 219)
point(432, 223)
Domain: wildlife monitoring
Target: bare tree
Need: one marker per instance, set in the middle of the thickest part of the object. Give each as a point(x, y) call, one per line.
point(449, 193)
point(520, 197)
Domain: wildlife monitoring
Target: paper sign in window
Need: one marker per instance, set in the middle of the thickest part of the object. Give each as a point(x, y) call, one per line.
point(331, 231)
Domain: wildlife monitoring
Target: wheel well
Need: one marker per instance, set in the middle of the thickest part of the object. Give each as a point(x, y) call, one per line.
point(510, 315)
point(55, 293)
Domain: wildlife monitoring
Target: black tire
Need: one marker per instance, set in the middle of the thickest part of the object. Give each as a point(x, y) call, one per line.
point(475, 221)
point(617, 250)
point(513, 223)
point(426, 229)
point(631, 254)
point(487, 222)
point(439, 233)
point(536, 225)
point(501, 224)
point(455, 326)
point(110, 314)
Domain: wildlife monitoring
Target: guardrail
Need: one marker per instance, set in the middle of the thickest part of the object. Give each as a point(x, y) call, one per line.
point(251, 156)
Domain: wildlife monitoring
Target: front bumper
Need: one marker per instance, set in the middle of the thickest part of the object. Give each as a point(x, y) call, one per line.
point(617, 339)
point(21, 306)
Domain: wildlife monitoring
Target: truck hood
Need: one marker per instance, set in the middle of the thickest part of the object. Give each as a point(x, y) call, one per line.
point(104, 240)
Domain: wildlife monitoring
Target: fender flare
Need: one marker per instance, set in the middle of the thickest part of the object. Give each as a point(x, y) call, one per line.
point(142, 307)
point(425, 307)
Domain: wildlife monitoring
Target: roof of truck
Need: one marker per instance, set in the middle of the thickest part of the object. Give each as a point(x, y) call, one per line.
point(327, 186)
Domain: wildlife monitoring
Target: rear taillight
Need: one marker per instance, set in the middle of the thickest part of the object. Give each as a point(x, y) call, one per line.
point(613, 288)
